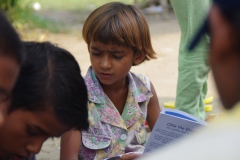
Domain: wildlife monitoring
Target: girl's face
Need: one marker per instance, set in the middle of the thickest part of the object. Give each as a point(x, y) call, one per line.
point(112, 62)
point(9, 69)
point(25, 131)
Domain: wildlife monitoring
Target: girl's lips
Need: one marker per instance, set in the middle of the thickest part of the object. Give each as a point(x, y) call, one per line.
point(105, 75)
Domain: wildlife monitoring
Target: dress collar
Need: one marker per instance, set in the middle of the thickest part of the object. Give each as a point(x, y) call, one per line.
point(137, 87)
point(137, 93)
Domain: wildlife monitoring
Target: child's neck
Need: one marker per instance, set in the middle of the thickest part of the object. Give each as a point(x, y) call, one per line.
point(118, 86)
point(117, 93)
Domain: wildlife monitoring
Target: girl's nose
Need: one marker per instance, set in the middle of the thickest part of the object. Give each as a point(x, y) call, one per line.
point(106, 62)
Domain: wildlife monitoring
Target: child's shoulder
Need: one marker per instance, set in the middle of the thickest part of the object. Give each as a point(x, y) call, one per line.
point(144, 79)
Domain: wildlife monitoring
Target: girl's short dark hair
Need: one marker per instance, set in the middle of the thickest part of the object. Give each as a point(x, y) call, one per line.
point(121, 24)
point(10, 43)
point(50, 78)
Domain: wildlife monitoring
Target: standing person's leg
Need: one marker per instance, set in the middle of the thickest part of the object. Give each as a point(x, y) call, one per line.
point(193, 68)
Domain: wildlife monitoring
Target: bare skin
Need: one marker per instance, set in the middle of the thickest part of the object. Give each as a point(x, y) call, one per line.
point(111, 63)
point(24, 132)
point(70, 145)
point(117, 96)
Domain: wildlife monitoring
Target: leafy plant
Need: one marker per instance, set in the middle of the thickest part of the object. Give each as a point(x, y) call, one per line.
point(7, 5)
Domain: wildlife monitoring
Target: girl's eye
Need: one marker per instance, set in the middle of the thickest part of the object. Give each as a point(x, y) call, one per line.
point(95, 54)
point(117, 57)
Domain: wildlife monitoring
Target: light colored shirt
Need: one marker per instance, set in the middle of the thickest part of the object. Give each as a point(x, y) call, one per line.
point(220, 141)
point(111, 134)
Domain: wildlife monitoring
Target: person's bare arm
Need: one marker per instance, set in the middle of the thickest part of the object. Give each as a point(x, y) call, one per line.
point(153, 109)
point(70, 145)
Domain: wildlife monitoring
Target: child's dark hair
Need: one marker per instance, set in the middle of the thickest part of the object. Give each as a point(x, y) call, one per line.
point(121, 24)
point(50, 78)
point(10, 43)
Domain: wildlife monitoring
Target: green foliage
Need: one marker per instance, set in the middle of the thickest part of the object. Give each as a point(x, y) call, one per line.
point(7, 5)
point(26, 19)
point(23, 17)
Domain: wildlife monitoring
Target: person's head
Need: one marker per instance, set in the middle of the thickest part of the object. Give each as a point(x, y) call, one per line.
point(50, 97)
point(117, 33)
point(10, 60)
point(223, 25)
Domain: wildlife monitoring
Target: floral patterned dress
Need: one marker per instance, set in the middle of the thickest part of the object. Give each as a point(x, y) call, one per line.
point(111, 134)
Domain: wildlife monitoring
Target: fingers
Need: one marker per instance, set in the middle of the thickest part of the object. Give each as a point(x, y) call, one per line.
point(130, 156)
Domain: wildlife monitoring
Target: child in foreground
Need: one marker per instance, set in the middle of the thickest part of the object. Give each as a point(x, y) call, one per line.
point(120, 101)
point(49, 98)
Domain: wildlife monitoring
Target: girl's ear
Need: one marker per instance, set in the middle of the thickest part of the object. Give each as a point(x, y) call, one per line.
point(138, 58)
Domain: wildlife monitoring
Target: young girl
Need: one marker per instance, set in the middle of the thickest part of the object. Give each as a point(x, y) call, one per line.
point(120, 101)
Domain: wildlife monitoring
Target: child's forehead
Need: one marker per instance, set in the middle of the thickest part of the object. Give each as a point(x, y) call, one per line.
point(112, 44)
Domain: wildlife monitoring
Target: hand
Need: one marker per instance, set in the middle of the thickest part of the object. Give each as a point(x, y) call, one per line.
point(130, 156)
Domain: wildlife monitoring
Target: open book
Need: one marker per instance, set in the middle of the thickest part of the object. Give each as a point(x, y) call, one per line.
point(171, 125)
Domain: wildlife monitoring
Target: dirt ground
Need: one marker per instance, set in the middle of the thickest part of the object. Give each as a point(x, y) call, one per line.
point(162, 71)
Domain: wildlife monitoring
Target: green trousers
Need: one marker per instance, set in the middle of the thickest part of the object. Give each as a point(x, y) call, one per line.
point(193, 66)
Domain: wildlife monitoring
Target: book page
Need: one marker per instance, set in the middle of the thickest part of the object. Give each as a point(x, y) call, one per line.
point(169, 128)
